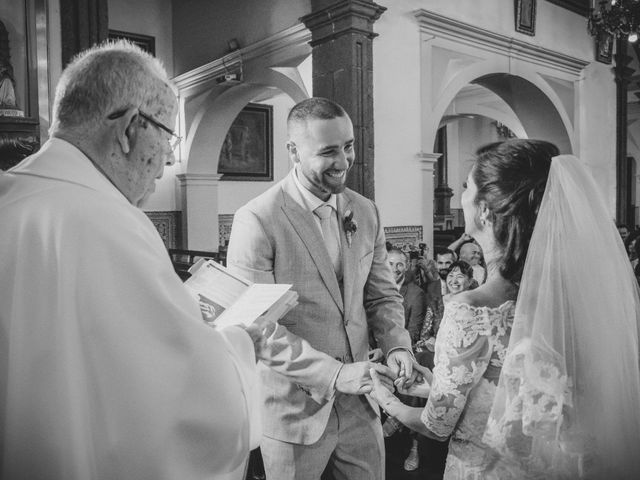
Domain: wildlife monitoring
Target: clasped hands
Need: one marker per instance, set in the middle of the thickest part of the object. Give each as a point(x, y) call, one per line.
point(401, 372)
point(418, 385)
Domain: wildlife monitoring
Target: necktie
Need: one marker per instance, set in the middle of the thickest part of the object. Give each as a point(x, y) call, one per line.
point(331, 236)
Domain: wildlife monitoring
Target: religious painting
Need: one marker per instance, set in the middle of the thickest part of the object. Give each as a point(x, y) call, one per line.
point(604, 47)
point(14, 68)
point(247, 152)
point(145, 42)
point(23, 78)
point(526, 16)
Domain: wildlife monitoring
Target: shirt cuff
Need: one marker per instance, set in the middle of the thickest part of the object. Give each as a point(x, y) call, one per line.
point(332, 385)
point(402, 348)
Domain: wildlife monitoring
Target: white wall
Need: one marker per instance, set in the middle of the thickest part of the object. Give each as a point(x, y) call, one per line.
point(151, 17)
point(464, 137)
point(146, 17)
point(396, 106)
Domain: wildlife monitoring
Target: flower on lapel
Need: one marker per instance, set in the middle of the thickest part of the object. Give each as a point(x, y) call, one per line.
point(350, 225)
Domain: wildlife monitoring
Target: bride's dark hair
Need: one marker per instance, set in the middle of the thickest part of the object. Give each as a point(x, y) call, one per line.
point(511, 178)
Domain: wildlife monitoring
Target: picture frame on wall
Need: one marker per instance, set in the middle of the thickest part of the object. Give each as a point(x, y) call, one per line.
point(247, 151)
point(24, 80)
point(145, 42)
point(526, 16)
point(604, 47)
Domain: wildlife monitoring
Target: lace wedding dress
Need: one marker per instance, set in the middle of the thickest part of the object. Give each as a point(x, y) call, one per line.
point(548, 388)
point(470, 350)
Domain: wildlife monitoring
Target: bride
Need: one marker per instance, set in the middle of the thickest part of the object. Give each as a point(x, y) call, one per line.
point(536, 371)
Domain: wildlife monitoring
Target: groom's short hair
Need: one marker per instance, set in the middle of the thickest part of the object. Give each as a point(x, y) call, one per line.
point(318, 108)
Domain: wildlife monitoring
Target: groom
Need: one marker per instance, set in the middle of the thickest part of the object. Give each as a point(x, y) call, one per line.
point(310, 231)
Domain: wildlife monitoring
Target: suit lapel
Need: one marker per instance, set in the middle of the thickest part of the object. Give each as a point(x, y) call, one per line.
point(305, 226)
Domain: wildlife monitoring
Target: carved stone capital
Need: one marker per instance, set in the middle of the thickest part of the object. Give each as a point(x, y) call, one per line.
point(341, 18)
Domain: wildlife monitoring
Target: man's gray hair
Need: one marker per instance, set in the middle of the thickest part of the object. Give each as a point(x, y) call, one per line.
point(103, 79)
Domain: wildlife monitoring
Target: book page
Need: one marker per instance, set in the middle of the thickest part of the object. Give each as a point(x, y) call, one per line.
point(215, 288)
point(228, 299)
point(256, 300)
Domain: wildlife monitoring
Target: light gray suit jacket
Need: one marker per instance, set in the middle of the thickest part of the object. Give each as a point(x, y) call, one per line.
point(275, 239)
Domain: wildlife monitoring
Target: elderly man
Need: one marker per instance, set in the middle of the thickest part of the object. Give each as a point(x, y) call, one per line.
point(107, 369)
point(309, 230)
point(471, 253)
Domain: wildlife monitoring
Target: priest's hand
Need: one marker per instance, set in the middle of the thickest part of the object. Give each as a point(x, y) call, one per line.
point(261, 329)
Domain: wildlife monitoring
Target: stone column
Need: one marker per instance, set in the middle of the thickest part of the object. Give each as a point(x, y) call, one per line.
point(622, 75)
point(443, 192)
point(428, 162)
point(342, 36)
point(199, 195)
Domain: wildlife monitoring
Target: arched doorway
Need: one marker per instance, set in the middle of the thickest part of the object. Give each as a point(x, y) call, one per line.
point(208, 108)
point(470, 72)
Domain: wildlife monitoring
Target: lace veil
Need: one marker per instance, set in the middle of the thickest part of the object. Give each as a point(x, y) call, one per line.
point(568, 399)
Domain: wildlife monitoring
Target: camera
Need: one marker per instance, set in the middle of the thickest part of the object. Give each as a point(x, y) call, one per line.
point(422, 247)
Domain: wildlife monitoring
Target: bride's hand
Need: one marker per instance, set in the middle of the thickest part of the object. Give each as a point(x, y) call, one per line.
point(421, 387)
point(381, 394)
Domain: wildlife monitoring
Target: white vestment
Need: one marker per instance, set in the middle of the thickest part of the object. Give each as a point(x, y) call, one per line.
point(107, 370)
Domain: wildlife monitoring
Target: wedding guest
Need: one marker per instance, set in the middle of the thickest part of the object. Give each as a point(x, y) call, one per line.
point(414, 300)
point(624, 232)
point(437, 288)
point(459, 279)
point(310, 231)
point(471, 253)
point(108, 370)
point(424, 268)
point(630, 244)
point(415, 304)
point(537, 408)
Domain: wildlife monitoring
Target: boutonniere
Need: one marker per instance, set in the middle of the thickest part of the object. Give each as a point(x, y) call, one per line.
point(350, 226)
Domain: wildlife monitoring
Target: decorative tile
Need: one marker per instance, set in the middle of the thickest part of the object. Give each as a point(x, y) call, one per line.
point(404, 235)
point(224, 227)
point(168, 226)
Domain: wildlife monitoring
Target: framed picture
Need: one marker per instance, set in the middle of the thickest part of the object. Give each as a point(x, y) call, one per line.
point(145, 42)
point(24, 88)
point(604, 47)
point(247, 152)
point(526, 16)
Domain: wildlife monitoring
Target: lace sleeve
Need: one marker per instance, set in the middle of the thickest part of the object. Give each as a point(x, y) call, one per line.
point(462, 354)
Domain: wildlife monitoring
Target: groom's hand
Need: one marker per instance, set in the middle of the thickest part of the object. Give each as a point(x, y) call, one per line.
point(401, 362)
point(355, 378)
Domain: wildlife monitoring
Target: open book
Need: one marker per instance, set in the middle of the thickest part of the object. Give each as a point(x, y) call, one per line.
point(228, 299)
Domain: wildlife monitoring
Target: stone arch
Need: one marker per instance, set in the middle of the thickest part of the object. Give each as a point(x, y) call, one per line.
point(215, 115)
point(538, 107)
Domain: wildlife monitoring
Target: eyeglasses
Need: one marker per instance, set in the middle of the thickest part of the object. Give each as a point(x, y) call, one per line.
point(175, 139)
point(173, 142)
